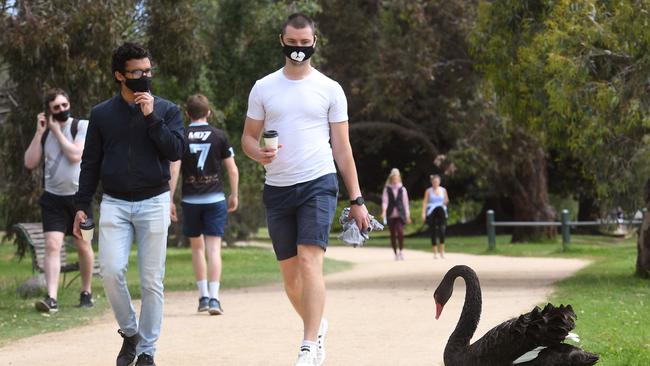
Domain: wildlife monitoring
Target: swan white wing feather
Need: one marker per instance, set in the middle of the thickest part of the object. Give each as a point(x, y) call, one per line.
point(530, 355)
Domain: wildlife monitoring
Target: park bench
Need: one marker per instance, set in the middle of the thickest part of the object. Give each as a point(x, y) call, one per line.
point(30, 235)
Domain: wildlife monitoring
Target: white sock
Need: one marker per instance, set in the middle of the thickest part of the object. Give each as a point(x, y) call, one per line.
point(313, 346)
point(203, 288)
point(214, 290)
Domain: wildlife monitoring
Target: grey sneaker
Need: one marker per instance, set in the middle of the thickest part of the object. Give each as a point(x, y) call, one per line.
point(86, 300)
point(215, 307)
point(47, 305)
point(204, 304)
point(127, 352)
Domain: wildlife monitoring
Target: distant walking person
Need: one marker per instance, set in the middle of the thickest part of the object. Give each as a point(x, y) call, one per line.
point(434, 213)
point(307, 111)
point(395, 211)
point(205, 210)
point(132, 137)
point(60, 139)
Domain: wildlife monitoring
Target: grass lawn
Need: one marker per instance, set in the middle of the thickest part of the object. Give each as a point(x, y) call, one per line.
point(612, 305)
point(18, 318)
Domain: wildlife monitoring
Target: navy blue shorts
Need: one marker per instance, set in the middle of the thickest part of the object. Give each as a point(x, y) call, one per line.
point(207, 219)
point(300, 214)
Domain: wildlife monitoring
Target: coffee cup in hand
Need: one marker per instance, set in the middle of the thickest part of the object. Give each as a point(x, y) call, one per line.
point(271, 139)
point(87, 229)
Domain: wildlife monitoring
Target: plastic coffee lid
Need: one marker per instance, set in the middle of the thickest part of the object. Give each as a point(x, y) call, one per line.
point(87, 225)
point(270, 133)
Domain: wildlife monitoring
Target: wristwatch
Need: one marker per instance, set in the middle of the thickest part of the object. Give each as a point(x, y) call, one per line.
point(359, 201)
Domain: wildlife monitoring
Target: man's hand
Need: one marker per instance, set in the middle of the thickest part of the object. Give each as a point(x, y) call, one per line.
point(233, 203)
point(424, 217)
point(172, 212)
point(41, 123)
point(409, 221)
point(145, 101)
point(53, 125)
point(266, 155)
point(360, 215)
point(78, 219)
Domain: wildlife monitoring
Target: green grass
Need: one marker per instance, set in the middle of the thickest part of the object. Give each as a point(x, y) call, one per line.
point(18, 318)
point(612, 305)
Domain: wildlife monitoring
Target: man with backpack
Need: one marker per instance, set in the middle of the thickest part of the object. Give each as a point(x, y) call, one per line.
point(59, 139)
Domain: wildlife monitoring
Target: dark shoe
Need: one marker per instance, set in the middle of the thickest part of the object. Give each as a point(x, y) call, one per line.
point(215, 307)
point(145, 359)
point(204, 303)
point(86, 300)
point(127, 353)
point(47, 305)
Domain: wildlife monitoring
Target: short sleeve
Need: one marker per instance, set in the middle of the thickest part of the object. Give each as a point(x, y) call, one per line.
point(255, 105)
point(338, 111)
point(226, 150)
point(82, 128)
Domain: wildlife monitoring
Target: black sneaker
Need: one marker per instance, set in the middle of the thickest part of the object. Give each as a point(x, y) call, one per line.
point(127, 352)
point(47, 305)
point(145, 359)
point(204, 303)
point(86, 300)
point(215, 307)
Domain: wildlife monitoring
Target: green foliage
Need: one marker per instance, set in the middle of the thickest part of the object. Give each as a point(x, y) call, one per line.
point(54, 44)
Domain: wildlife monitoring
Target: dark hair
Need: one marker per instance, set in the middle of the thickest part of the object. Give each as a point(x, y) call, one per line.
point(51, 94)
point(299, 21)
point(127, 51)
point(197, 106)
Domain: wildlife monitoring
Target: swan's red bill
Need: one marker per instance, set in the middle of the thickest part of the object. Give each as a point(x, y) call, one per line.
point(438, 310)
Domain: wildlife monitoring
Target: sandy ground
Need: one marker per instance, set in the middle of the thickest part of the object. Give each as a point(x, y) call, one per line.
point(381, 312)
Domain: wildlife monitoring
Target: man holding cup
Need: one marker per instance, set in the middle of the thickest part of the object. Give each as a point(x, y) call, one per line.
point(306, 111)
point(134, 135)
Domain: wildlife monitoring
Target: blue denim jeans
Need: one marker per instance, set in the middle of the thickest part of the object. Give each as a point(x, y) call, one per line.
point(120, 222)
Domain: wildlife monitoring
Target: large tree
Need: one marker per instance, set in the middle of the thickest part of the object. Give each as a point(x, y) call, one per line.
point(504, 42)
point(48, 44)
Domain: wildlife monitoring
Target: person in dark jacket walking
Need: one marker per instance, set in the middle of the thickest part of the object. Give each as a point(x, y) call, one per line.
point(395, 211)
point(131, 139)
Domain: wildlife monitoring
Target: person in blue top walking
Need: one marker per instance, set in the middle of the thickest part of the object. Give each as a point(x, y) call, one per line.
point(434, 213)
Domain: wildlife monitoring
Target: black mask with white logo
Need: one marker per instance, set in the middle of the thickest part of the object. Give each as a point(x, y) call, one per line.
point(143, 84)
point(297, 53)
point(62, 116)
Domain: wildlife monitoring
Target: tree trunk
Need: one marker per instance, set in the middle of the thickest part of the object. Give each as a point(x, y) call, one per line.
point(643, 243)
point(530, 198)
point(588, 210)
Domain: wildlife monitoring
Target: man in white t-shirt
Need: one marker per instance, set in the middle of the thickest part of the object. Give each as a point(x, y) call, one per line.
point(308, 110)
point(60, 139)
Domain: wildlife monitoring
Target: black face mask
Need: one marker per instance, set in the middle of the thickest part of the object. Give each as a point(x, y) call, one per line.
point(62, 116)
point(296, 53)
point(143, 84)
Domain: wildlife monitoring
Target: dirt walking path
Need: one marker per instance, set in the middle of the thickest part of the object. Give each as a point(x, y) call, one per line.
point(381, 312)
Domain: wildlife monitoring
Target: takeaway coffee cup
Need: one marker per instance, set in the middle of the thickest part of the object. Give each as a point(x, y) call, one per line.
point(87, 229)
point(271, 138)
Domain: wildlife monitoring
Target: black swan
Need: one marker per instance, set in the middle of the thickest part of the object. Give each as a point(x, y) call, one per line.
point(532, 339)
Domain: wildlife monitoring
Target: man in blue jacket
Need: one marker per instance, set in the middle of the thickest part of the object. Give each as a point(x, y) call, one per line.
point(131, 139)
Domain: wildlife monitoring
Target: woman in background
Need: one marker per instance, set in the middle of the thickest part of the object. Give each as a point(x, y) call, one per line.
point(395, 211)
point(434, 213)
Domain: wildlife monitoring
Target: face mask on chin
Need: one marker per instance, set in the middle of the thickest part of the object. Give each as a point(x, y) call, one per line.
point(143, 84)
point(297, 53)
point(62, 116)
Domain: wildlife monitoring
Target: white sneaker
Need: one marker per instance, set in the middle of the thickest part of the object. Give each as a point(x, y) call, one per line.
point(306, 358)
point(322, 332)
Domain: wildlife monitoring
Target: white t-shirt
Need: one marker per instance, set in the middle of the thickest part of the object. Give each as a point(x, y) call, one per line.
point(301, 111)
point(62, 176)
